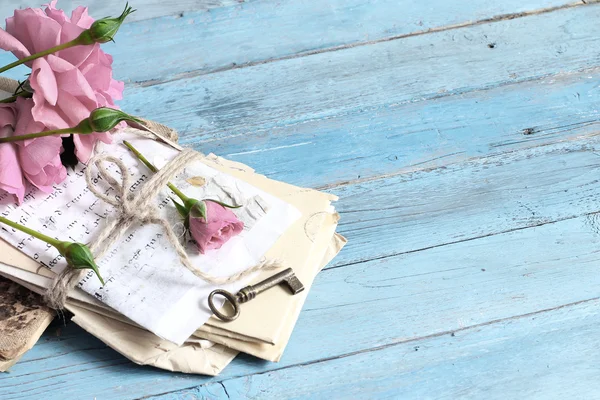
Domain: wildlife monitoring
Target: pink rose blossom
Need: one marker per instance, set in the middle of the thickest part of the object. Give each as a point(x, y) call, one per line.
point(36, 160)
point(220, 226)
point(11, 176)
point(68, 84)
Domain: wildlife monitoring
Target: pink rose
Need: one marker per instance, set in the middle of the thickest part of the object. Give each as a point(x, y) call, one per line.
point(213, 232)
point(68, 84)
point(35, 160)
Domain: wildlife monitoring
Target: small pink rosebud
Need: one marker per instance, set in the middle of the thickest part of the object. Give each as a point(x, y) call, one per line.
point(215, 228)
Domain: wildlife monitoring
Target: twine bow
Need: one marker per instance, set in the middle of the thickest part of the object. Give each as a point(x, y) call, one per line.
point(138, 208)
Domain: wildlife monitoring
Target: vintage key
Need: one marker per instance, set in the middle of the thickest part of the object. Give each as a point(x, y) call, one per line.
point(286, 277)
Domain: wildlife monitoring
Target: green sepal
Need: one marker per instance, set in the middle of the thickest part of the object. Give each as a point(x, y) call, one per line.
point(223, 204)
point(103, 119)
point(198, 210)
point(104, 29)
point(79, 256)
point(180, 208)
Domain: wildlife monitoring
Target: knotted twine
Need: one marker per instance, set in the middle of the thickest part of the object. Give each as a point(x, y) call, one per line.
point(133, 208)
point(137, 208)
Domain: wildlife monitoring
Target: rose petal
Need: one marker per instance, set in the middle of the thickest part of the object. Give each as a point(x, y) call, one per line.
point(84, 144)
point(11, 177)
point(43, 81)
point(25, 122)
point(35, 30)
point(52, 117)
point(41, 163)
point(9, 43)
point(57, 15)
point(74, 55)
point(72, 81)
point(74, 108)
point(80, 17)
point(220, 226)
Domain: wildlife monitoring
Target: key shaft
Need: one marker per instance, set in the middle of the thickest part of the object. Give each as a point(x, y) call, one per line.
point(286, 277)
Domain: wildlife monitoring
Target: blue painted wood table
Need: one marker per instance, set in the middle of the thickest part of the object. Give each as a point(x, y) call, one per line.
point(461, 139)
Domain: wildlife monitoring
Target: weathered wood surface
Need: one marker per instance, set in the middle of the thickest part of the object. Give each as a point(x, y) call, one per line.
point(145, 8)
point(468, 184)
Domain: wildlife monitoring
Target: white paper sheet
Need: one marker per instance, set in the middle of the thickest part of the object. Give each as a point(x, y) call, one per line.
point(144, 278)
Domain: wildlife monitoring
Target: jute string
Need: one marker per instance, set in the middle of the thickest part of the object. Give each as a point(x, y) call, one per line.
point(136, 208)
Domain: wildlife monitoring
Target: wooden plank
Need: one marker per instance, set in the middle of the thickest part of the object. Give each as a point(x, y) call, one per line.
point(415, 211)
point(350, 307)
point(175, 47)
point(360, 146)
point(73, 372)
point(145, 8)
point(359, 79)
point(434, 290)
point(546, 355)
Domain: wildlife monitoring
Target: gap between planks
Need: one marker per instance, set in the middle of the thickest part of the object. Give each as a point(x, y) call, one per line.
point(414, 168)
point(497, 18)
point(435, 246)
point(386, 346)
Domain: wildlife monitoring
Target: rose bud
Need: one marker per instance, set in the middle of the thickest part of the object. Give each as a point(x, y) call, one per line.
point(212, 225)
point(105, 29)
point(103, 119)
point(79, 256)
point(210, 222)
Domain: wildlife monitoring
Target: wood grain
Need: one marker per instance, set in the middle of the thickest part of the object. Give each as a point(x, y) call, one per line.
point(540, 356)
point(247, 33)
point(300, 90)
point(360, 146)
point(468, 200)
point(450, 287)
point(465, 251)
point(145, 8)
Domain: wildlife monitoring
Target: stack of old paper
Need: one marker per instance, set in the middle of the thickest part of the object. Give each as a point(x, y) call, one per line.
point(23, 319)
point(152, 309)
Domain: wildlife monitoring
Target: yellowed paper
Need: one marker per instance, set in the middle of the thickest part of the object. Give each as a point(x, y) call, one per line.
point(140, 345)
point(292, 249)
point(274, 352)
point(304, 239)
point(145, 348)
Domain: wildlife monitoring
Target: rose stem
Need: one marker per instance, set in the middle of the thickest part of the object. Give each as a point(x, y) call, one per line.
point(51, 241)
point(11, 99)
point(152, 168)
point(74, 42)
point(19, 138)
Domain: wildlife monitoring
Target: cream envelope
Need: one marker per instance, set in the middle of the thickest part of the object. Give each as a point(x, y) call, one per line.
point(319, 232)
point(292, 249)
point(274, 352)
point(144, 347)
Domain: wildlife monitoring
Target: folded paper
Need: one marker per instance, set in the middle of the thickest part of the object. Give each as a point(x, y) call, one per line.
point(144, 279)
point(266, 322)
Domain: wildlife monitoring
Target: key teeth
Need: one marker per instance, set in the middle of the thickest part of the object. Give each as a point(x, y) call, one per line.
point(294, 284)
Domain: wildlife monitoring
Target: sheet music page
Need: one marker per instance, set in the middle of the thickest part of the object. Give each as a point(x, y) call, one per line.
point(145, 280)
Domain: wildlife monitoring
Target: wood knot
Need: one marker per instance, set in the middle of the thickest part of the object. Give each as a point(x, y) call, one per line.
point(528, 131)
